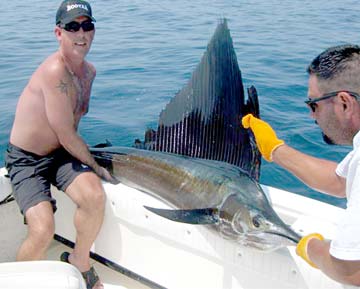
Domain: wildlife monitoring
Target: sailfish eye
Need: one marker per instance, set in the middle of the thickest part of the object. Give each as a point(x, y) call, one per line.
point(256, 222)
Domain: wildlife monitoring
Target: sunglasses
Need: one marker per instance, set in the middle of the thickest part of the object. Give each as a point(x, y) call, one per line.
point(312, 103)
point(75, 26)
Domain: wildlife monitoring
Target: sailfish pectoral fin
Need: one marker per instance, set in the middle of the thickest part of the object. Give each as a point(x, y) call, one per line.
point(195, 216)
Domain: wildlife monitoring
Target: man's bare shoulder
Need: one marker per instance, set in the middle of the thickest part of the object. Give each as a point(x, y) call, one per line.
point(54, 77)
point(50, 71)
point(53, 66)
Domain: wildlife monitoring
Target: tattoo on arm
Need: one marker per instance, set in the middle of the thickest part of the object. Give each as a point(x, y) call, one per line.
point(63, 87)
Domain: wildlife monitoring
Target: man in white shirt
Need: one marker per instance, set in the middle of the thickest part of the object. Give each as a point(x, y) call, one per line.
point(334, 101)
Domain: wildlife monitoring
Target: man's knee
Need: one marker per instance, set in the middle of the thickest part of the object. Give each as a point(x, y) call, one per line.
point(43, 232)
point(41, 224)
point(96, 197)
point(90, 192)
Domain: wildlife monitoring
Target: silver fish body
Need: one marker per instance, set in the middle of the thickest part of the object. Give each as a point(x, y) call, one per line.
point(217, 194)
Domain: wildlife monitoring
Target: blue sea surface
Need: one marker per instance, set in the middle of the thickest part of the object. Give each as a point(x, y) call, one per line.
point(145, 51)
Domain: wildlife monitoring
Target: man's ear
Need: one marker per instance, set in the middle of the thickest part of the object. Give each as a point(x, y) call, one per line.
point(57, 32)
point(347, 101)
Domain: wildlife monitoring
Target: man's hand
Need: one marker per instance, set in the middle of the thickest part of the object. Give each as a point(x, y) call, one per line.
point(301, 248)
point(106, 176)
point(265, 136)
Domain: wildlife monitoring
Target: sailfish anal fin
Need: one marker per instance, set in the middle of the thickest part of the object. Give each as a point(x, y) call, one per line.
point(205, 216)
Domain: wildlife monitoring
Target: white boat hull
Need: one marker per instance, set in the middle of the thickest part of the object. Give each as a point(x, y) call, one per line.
point(176, 255)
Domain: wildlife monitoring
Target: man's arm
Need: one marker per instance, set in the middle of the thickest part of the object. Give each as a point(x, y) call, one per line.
point(317, 173)
point(58, 94)
point(343, 271)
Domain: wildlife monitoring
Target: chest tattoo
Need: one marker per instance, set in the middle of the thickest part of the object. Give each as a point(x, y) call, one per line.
point(63, 87)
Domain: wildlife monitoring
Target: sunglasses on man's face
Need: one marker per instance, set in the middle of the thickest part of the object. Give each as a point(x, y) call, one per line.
point(312, 103)
point(75, 26)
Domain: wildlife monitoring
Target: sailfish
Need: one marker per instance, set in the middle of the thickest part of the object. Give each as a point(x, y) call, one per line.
point(200, 160)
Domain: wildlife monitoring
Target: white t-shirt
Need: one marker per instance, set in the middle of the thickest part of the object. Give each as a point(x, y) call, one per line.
point(346, 244)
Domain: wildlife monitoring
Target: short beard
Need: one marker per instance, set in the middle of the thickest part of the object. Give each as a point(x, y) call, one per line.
point(327, 140)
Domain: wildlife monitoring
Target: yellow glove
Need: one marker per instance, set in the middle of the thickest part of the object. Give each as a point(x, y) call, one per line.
point(301, 248)
point(265, 136)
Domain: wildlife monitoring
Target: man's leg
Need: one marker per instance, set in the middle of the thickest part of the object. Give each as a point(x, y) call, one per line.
point(88, 194)
point(41, 226)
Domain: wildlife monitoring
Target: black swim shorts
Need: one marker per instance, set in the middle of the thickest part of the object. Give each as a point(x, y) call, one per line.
point(31, 174)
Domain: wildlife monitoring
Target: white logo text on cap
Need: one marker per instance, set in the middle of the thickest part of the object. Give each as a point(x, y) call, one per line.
point(74, 6)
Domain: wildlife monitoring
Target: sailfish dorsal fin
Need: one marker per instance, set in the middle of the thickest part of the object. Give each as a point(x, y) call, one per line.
point(203, 120)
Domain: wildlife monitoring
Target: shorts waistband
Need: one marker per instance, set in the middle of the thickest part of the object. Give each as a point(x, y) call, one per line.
point(14, 148)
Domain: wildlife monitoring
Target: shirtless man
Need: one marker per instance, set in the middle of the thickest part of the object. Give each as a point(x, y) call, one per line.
point(45, 147)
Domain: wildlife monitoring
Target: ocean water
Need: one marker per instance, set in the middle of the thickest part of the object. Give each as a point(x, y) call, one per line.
point(145, 51)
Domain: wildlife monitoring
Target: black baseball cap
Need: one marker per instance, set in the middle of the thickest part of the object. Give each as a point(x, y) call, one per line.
point(71, 9)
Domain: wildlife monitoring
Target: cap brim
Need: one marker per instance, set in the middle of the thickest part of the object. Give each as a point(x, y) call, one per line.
point(70, 18)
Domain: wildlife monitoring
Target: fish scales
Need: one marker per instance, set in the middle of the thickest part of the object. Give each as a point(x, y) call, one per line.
point(166, 176)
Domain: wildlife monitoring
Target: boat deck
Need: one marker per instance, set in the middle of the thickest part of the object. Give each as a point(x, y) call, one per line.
point(111, 279)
